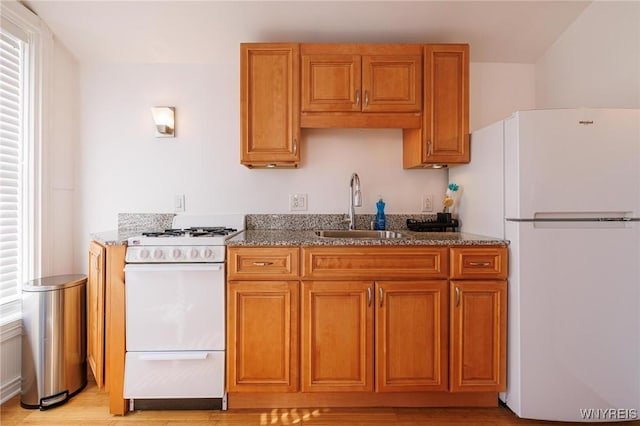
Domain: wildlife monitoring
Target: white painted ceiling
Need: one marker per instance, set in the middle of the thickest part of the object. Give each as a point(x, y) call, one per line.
point(206, 31)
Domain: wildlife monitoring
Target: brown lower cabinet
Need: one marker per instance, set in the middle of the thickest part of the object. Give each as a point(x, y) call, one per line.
point(106, 321)
point(361, 336)
point(356, 326)
point(262, 336)
point(478, 336)
point(423, 339)
point(96, 312)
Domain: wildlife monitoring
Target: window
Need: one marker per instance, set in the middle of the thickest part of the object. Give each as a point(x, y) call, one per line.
point(12, 155)
point(20, 134)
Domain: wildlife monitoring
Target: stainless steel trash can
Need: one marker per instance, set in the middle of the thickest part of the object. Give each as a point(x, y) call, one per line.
point(54, 361)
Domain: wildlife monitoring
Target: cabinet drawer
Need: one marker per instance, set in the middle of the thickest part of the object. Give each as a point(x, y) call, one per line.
point(479, 263)
point(374, 262)
point(264, 263)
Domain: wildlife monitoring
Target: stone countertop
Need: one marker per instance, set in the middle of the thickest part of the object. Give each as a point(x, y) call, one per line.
point(309, 238)
point(111, 238)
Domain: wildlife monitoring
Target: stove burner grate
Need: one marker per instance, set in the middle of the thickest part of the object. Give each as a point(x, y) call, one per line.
point(165, 233)
point(196, 231)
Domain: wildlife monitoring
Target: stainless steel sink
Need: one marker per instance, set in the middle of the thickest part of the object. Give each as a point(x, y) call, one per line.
point(361, 234)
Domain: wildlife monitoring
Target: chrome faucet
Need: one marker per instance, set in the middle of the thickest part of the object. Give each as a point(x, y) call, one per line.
point(355, 199)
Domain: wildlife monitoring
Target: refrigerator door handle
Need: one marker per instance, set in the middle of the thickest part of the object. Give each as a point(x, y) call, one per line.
point(577, 219)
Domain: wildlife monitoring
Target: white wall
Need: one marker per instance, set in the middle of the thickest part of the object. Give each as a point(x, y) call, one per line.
point(596, 61)
point(497, 90)
point(59, 159)
point(123, 168)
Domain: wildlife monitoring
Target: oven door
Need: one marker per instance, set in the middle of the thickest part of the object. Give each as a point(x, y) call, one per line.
point(175, 307)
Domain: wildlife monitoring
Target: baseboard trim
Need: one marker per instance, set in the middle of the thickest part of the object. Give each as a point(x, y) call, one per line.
point(266, 400)
point(10, 387)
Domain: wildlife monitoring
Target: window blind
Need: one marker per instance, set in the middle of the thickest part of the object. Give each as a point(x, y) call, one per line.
point(12, 54)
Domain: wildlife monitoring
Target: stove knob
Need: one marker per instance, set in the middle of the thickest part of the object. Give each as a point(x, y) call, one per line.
point(194, 253)
point(144, 253)
point(157, 254)
point(176, 253)
point(207, 253)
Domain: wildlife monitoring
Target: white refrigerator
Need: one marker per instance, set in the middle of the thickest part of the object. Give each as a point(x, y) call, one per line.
point(563, 186)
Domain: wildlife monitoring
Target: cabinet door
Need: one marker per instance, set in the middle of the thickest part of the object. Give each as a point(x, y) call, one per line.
point(391, 83)
point(96, 311)
point(478, 336)
point(331, 83)
point(412, 336)
point(337, 336)
point(447, 103)
point(444, 136)
point(270, 104)
point(262, 336)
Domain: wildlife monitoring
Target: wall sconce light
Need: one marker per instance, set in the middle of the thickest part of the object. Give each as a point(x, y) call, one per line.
point(164, 118)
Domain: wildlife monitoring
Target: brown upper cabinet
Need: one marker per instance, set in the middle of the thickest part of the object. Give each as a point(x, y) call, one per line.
point(444, 136)
point(342, 83)
point(270, 104)
point(420, 88)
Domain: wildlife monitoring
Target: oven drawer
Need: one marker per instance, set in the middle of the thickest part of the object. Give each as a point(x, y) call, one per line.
point(255, 263)
point(174, 375)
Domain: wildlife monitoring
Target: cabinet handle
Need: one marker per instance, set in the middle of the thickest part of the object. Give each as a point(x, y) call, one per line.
point(381, 291)
point(480, 263)
point(263, 263)
point(366, 98)
point(429, 149)
point(295, 146)
point(369, 296)
point(457, 296)
point(96, 262)
point(357, 97)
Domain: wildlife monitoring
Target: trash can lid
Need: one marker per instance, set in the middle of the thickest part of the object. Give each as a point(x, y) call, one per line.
point(56, 282)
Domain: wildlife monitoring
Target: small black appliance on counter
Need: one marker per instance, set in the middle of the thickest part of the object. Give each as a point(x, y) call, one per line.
point(443, 223)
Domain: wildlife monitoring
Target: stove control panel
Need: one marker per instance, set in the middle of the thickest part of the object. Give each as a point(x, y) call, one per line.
point(175, 254)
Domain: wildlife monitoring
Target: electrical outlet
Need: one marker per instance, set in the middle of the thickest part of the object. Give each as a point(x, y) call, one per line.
point(297, 202)
point(178, 203)
point(427, 202)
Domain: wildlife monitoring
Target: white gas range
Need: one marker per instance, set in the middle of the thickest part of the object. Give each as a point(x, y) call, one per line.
point(175, 313)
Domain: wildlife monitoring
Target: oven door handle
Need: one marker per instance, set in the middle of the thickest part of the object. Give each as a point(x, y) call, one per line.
point(173, 356)
point(155, 267)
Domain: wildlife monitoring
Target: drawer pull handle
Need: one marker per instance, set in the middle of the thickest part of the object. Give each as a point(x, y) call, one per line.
point(358, 98)
point(480, 263)
point(381, 296)
point(369, 296)
point(263, 263)
point(457, 296)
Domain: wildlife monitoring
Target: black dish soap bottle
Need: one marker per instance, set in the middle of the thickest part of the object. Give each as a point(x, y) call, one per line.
point(380, 223)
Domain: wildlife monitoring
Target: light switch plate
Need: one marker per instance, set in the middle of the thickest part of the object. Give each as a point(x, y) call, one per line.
point(178, 203)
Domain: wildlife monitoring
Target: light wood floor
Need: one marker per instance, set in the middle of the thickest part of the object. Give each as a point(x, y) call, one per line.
point(91, 407)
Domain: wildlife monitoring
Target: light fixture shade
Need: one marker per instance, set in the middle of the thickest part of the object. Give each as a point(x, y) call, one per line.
point(164, 118)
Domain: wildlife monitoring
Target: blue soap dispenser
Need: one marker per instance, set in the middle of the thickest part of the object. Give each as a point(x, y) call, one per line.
point(381, 223)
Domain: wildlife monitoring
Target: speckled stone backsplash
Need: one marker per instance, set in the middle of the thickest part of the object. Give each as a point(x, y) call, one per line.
point(308, 222)
point(135, 223)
